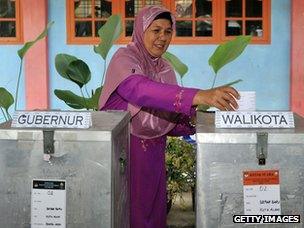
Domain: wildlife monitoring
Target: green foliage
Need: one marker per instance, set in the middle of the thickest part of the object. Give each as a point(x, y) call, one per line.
point(79, 102)
point(108, 33)
point(224, 54)
point(77, 71)
point(176, 63)
point(180, 166)
point(6, 100)
point(71, 99)
point(28, 45)
point(62, 62)
point(227, 52)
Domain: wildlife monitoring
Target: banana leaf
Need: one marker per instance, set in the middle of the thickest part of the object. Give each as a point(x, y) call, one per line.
point(62, 62)
point(108, 33)
point(71, 99)
point(176, 63)
point(227, 52)
point(93, 101)
point(79, 72)
point(6, 99)
point(28, 45)
point(77, 102)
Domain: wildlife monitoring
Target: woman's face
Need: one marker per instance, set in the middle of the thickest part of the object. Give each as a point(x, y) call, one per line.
point(157, 37)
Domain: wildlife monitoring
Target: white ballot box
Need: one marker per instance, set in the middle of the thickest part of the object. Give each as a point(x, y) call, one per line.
point(75, 178)
point(249, 177)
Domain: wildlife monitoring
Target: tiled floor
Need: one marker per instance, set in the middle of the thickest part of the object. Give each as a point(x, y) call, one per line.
point(181, 214)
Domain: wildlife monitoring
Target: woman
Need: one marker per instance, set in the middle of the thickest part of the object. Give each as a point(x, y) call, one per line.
point(140, 81)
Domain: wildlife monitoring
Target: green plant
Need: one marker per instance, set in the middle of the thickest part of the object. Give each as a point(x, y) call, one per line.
point(6, 98)
point(223, 54)
point(177, 64)
point(226, 53)
point(77, 71)
point(180, 166)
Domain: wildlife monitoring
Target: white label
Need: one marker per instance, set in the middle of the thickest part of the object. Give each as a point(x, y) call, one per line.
point(246, 101)
point(254, 119)
point(261, 192)
point(48, 208)
point(23, 119)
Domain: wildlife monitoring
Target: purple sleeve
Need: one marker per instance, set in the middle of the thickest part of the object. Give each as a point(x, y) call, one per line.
point(142, 91)
point(182, 130)
point(183, 127)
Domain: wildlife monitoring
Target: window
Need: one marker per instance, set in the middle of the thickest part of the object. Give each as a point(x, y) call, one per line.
point(10, 26)
point(197, 21)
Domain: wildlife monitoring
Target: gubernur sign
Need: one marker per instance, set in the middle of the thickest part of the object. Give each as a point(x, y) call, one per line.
point(49, 119)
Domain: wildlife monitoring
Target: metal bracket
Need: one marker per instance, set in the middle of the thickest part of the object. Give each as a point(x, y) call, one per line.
point(48, 142)
point(262, 147)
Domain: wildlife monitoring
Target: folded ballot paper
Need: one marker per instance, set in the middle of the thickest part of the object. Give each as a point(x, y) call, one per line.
point(247, 101)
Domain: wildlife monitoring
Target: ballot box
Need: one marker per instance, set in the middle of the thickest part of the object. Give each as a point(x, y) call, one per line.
point(85, 173)
point(249, 172)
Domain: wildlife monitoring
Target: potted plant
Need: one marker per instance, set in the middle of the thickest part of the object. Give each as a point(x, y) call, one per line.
point(78, 72)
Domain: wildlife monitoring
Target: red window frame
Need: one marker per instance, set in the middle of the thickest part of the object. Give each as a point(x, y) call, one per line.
point(19, 36)
point(218, 19)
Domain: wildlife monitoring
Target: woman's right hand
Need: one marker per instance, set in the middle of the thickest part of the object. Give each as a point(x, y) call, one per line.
point(223, 98)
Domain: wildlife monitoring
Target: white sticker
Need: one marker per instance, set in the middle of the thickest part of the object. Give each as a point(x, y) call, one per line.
point(48, 207)
point(254, 119)
point(261, 192)
point(33, 119)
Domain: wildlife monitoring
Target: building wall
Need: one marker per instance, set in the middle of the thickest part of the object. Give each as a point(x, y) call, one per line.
point(297, 56)
point(263, 68)
point(9, 68)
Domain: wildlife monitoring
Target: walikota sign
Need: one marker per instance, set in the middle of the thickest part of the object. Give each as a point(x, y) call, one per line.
point(254, 120)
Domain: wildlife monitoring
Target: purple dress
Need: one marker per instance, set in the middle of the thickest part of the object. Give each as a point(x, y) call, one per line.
point(147, 156)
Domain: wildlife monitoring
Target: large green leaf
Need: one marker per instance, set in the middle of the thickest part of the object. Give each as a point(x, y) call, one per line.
point(78, 102)
point(28, 45)
point(79, 72)
point(62, 62)
point(6, 99)
point(228, 51)
point(93, 101)
point(176, 63)
point(71, 99)
point(108, 33)
point(233, 82)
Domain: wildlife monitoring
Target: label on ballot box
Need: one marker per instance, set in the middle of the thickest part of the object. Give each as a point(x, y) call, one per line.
point(48, 208)
point(261, 192)
point(51, 119)
point(226, 119)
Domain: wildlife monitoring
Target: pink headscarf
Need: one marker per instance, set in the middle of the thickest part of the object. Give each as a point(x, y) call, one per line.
point(135, 59)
